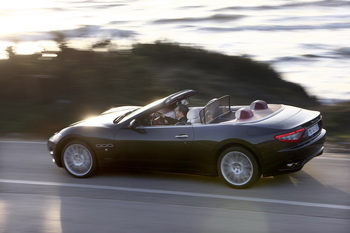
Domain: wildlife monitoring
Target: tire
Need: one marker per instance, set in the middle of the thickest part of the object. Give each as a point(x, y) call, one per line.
point(78, 159)
point(238, 167)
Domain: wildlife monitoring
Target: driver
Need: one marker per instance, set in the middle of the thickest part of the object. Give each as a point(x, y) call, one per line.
point(180, 115)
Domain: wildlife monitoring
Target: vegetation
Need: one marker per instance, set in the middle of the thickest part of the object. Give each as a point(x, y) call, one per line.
point(336, 121)
point(41, 93)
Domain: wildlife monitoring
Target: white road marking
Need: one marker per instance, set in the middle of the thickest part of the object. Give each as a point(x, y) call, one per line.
point(179, 193)
point(23, 142)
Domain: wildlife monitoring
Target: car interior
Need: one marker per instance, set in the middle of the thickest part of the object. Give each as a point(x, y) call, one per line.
point(219, 110)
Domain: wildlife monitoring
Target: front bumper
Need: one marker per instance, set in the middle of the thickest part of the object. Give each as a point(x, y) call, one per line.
point(51, 146)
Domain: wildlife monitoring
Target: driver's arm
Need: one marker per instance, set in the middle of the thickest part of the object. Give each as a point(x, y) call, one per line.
point(170, 121)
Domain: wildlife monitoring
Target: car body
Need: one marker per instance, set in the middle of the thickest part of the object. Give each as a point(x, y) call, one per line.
point(239, 143)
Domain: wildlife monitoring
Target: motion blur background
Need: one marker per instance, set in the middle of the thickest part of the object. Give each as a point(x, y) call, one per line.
point(63, 60)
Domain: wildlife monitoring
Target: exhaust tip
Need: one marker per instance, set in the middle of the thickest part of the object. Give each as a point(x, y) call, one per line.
point(294, 164)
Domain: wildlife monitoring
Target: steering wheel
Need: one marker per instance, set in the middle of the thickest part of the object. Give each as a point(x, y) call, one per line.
point(157, 119)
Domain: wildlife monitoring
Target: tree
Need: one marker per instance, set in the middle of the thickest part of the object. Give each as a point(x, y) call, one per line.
point(10, 52)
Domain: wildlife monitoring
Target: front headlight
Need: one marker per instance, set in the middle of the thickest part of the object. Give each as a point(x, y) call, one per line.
point(55, 138)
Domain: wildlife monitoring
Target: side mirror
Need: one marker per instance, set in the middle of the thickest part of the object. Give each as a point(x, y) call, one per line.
point(133, 124)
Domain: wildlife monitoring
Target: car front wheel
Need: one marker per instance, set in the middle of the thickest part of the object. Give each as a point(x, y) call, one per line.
point(238, 167)
point(78, 159)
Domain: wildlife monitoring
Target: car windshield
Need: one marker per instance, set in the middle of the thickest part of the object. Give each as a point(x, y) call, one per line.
point(138, 111)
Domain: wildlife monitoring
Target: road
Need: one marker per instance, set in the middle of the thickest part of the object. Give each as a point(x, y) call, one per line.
point(36, 196)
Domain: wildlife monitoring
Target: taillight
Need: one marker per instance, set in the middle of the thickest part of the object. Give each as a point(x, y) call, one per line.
point(294, 136)
point(321, 121)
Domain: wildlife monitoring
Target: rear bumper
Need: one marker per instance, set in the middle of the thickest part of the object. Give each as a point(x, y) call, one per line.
point(294, 158)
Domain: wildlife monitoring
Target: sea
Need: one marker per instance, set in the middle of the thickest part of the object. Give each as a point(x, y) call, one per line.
point(307, 42)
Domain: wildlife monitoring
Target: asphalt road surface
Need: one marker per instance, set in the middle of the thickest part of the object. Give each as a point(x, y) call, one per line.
point(36, 196)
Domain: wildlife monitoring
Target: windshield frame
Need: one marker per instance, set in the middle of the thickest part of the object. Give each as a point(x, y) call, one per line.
point(157, 105)
point(141, 110)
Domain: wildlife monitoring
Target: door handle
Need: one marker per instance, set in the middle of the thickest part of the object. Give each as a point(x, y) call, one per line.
point(181, 136)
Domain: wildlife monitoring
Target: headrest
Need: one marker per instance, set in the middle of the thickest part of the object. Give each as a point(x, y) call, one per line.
point(258, 105)
point(244, 113)
point(193, 115)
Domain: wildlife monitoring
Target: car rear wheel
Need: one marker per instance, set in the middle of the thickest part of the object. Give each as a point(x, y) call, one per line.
point(238, 167)
point(78, 159)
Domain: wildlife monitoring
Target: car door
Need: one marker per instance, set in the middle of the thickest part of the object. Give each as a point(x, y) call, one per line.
point(155, 146)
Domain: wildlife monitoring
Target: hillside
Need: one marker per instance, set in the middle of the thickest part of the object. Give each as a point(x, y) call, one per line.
point(39, 95)
point(212, 74)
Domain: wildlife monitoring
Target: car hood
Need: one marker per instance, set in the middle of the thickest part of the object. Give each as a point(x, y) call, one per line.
point(106, 118)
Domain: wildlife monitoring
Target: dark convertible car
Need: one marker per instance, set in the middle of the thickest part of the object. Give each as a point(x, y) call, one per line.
point(238, 143)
